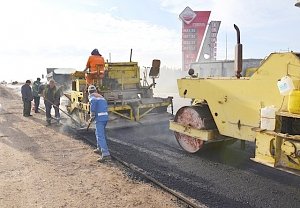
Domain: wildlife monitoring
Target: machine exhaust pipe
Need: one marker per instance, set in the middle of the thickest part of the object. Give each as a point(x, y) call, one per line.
point(130, 55)
point(238, 61)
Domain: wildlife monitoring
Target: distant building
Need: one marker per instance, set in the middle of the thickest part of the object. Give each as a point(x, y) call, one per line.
point(224, 68)
point(62, 76)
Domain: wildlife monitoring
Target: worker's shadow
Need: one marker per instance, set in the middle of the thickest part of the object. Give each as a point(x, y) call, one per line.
point(18, 136)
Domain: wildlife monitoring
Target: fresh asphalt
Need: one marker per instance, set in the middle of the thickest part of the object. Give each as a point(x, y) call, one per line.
point(215, 176)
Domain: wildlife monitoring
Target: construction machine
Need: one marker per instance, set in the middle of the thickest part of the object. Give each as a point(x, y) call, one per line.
point(263, 108)
point(129, 102)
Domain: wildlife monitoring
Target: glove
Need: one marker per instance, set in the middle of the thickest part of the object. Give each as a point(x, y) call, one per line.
point(92, 117)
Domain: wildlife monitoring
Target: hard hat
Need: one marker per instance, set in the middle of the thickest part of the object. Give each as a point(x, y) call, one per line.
point(95, 52)
point(91, 89)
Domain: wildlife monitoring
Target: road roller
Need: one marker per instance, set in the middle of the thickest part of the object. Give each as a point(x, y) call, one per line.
point(263, 108)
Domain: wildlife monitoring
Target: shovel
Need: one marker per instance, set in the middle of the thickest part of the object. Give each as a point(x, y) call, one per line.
point(76, 122)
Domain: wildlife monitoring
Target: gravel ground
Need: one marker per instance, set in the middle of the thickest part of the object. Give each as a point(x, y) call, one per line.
point(44, 167)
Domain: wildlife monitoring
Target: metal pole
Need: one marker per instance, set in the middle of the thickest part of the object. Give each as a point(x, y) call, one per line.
point(226, 48)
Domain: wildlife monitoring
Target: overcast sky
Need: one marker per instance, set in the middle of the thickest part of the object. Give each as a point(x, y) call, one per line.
point(36, 34)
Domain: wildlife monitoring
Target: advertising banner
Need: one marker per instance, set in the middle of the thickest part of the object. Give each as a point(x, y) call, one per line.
point(208, 48)
point(194, 25)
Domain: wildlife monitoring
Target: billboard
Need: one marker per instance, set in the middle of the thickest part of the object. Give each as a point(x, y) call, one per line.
point(208, 49)
point(194, 24)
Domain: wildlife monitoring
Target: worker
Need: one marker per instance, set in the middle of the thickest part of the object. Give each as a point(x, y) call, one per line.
point(36, 96)
point(26, 98)
point(95, 64)
point(99, 114)
point(51, 95)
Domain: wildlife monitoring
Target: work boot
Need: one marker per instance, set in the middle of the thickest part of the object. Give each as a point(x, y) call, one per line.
point(97, 151)
point(58, 123)
point(103, 159)
point(48, 123)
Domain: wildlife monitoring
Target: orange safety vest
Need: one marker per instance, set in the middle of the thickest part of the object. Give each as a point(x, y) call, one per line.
point(95, 61)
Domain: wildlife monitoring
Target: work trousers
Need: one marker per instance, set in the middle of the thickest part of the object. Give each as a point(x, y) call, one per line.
point(36, 103)
point(48, 112)
point(26, 107)
point(101, 137)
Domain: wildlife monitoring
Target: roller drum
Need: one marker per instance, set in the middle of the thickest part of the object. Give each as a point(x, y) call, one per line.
point(198, 117)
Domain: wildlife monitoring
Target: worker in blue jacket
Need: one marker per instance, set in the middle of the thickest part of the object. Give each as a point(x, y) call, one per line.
point(26, 98)
point(99, 114)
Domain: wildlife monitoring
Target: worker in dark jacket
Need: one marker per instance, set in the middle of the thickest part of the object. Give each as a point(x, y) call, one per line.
point(51, 95)
point(36, 96)
point(26, 98)
point(99, 114)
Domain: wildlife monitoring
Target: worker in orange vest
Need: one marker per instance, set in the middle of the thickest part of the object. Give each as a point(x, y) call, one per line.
point(95, 64)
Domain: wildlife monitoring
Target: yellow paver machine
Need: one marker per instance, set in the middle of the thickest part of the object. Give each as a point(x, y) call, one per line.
point(263, 108)
point(129, 101)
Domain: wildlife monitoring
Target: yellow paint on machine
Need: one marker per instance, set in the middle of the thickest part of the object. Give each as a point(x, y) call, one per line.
point(235, 105)
point(294, 100)
point(120, 86)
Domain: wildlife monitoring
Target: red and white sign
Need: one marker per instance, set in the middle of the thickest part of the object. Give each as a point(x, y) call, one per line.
point(194, 24)
point(187, 15)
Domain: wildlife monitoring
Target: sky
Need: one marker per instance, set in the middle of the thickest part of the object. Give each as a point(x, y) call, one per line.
point(40, 34)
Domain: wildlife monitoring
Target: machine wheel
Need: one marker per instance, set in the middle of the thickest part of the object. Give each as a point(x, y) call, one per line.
point(197, 117)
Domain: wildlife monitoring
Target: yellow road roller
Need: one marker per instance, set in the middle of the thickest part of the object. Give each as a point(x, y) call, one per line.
point(263, 108)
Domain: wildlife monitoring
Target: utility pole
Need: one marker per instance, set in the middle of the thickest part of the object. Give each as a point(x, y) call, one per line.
point(226, 47)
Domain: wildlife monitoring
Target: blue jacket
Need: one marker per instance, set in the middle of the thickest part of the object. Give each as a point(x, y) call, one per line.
point(98, 107)
point(26, 93)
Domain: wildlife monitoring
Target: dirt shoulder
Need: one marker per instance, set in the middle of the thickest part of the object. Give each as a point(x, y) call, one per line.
point(43, 167)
